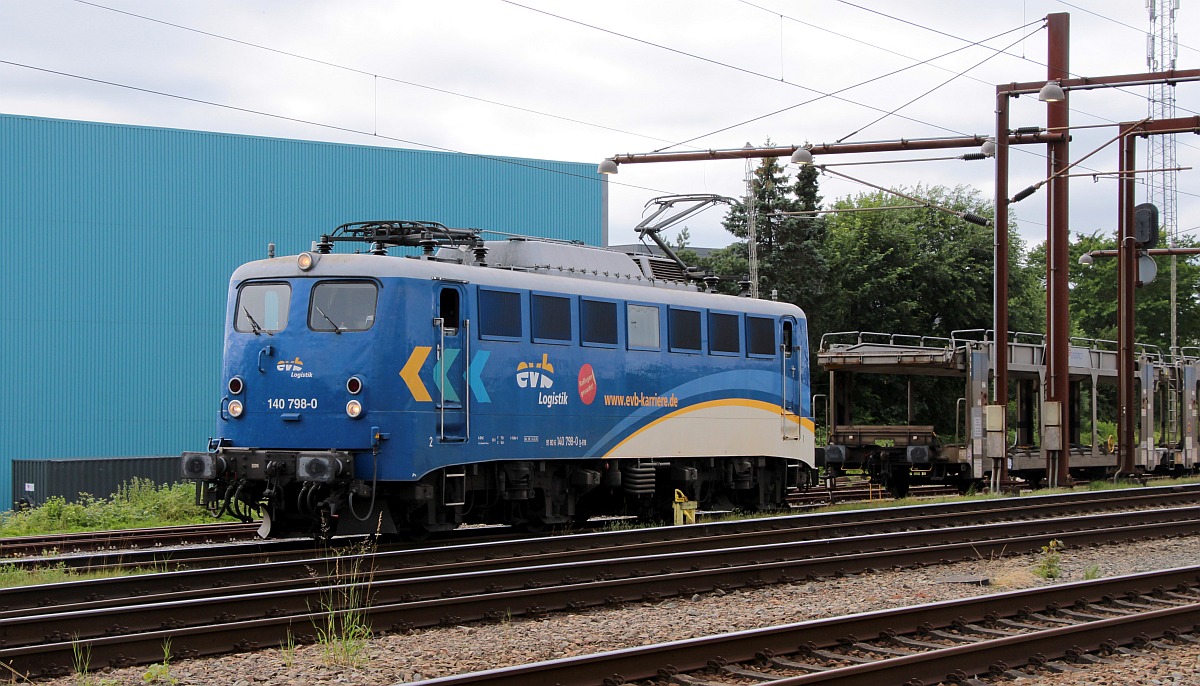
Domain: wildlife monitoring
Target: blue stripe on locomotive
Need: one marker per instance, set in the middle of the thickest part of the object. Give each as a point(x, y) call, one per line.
point(295, 384)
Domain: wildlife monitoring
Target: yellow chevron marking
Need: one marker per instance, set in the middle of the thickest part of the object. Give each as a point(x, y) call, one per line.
point(412, 373)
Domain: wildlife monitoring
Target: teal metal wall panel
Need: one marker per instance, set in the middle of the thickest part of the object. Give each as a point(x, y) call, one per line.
point(121, 240)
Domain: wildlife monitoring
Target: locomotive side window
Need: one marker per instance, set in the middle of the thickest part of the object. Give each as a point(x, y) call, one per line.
point(724, 335)
point(342, 306)
point(551, 317)
point(598, 322)
point(448, 308)
point(262, 307)
point(760, 336)
point(683, 329)
point(641, 321)
point(499, 313)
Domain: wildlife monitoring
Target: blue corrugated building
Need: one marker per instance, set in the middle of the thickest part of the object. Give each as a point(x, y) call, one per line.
point(121, 239)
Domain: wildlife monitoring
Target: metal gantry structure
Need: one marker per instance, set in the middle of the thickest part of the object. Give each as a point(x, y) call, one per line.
point(990, 424)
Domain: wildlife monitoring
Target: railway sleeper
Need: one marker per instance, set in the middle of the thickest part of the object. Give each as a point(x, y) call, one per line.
point(833, 657)
point(984, 631)
point(784, 663)
point(883, 650)
point(685, 680)
point(749, 673)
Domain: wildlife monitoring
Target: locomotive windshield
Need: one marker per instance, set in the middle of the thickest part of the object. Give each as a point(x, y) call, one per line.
point(262, 308)
point(342, 306)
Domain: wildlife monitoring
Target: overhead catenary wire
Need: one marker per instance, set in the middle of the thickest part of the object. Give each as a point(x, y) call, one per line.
point(402, 140)
point(1022, 57)
point(355, 70)
point(726, 65)
point(917, 63)
point(1105, 17)
point(1030, 190)
point(376, 77)
point(332, 127)
point(848, 210)
point(926, 93)
point(965, 216)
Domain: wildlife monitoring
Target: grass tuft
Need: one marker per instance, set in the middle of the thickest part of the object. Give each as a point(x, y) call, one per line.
point(344, 631)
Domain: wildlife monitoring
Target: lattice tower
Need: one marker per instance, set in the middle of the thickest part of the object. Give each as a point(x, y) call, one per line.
point(1162, 47)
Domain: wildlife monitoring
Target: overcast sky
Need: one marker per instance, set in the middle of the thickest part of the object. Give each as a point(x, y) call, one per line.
point(581, 81)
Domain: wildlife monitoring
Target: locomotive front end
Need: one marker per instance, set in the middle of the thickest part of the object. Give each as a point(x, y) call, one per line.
point(295, 412)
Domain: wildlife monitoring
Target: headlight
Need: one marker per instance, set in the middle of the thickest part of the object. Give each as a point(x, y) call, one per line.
point(235, 408)
point(354, 409)
point(306, 261)
point(354, 385)
point(236, 385)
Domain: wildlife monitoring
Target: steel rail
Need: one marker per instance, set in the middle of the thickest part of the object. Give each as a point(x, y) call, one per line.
point(124, 538)
point(306, 568)
point(43, 645)
point(127, 549)
point(295, 549)
point(293, 569)
point(952, 663)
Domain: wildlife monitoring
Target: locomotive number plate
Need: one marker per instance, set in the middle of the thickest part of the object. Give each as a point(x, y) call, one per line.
point(292, 403)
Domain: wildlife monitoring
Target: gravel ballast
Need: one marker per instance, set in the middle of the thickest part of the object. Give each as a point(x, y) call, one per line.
point(428, 653)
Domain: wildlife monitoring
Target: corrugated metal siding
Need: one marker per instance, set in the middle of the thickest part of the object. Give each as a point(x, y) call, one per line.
point(37, 480)
point(120, 241)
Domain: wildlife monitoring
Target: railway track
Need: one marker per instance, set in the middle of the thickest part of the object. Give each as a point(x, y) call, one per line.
point(916, 516)
point(859, 491)
point(127, 539)
point(1002, 636)
point(294, 561)
point(73, 547)
point(239, 612)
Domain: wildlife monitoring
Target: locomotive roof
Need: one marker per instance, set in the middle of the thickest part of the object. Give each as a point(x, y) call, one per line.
point(547, 266)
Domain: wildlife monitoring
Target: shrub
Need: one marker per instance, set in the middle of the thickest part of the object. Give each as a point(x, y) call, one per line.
point(139, 503)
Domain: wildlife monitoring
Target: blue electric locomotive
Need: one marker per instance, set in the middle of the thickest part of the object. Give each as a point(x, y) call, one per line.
point(523, 381)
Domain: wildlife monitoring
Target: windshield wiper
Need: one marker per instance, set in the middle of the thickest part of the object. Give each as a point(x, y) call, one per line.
point(253, 324)
point(336, 330)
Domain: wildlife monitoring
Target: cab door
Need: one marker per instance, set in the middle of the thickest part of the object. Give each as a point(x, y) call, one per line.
point(790, 374)
point(451, 330)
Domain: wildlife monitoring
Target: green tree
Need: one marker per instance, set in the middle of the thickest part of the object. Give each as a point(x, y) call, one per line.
point(920, 270)
point(683, 238)
point(790, 259)
point(917, 271)
point(1094, 294)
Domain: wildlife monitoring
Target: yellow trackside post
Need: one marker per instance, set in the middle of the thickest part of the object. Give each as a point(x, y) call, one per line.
point(685, 510)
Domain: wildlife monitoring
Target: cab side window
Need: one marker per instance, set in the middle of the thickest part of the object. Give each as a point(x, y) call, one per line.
point(262, 307)
point(342, 306)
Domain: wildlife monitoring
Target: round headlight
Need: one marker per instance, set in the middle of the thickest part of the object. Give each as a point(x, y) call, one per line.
point(306, 261)
point(235, 408)
point(354, 409)
point(354, 385)
point(236, 385)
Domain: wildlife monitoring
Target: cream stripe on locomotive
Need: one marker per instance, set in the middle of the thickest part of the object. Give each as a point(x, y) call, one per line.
point(737, 426)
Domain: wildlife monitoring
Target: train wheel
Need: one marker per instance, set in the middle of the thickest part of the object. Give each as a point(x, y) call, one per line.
point(416, 533)
point(898, 480)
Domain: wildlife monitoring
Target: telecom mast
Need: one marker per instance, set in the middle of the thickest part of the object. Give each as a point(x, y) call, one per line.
point(1162, 47)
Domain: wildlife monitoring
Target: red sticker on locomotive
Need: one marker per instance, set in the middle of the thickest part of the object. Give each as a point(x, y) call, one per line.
point(587, 384)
